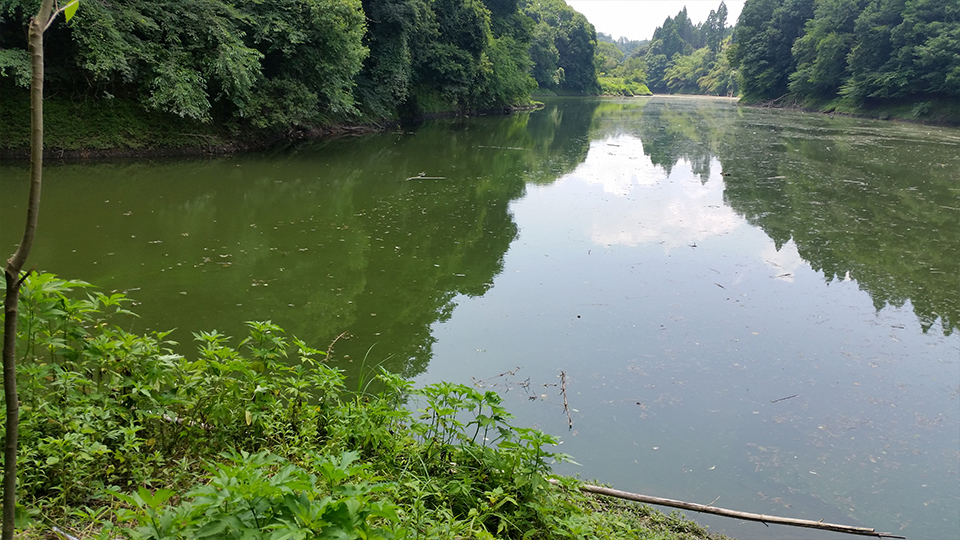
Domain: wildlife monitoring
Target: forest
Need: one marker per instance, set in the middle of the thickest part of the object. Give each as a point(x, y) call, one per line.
point(291, 63)
point(681, 58)
point(124, 68)
point(860, 50)
point(822, 54)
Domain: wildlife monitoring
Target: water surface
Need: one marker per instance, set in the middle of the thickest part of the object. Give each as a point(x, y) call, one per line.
point(687, 263)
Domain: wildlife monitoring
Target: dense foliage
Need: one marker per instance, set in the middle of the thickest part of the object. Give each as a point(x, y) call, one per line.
point(865, 51)
point(562, 48)
point(763, 40)
point(293, 63)
point(277, 63)
point(681, 58)
point(847, 55)
point(122, 438)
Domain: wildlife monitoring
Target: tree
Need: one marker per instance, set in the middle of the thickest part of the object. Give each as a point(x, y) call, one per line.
point(181, 57)
point(906, 48)
point(821, 53)
point(681, 54)
point(387, 74)
point(606, 57)
point(545, 57)
point(284, 64)
point(13, 272)
point(312, 50)
point(763, 45)
point(721, 78)
point(714, 28)
point(685, 71)
point(573, 38)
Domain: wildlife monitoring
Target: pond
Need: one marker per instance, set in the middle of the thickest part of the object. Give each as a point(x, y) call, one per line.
point(750, 307)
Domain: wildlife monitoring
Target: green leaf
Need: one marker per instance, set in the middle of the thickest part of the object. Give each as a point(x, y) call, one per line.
point(70, 9)
point(155, 499)
point(214, 528)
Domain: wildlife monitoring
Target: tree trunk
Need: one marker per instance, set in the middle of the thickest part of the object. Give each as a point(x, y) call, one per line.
point(12, 272)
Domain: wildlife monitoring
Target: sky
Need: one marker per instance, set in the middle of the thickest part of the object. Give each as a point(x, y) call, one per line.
point(637, 19)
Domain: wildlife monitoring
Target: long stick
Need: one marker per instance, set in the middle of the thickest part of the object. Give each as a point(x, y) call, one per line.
point(563, 390)
point(762, 518)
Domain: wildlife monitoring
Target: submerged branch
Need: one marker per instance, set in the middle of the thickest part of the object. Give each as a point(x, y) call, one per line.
point(706, 508)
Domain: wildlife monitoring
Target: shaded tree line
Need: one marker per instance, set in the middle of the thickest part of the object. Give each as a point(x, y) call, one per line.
point(859, 50)
point(290, 63)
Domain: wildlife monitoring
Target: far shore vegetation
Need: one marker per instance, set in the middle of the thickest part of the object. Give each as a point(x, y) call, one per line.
point(136, 77)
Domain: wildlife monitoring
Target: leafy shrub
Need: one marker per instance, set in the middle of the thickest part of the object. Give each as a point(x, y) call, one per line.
point(616, 86)
point(264, 496)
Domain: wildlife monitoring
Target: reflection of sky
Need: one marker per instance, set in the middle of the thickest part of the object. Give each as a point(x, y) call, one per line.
point(653, 208)
point(785, 260)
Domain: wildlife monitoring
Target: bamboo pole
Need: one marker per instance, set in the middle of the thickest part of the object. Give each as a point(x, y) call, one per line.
point(563, 390)
point(705, 508)
point(12, 271)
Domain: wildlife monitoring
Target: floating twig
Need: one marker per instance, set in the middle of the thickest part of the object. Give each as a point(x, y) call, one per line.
point(784, 398)
point(502, 147)
point(706, 508)
point(563, 390)
point(330, 348)
point(479, 383)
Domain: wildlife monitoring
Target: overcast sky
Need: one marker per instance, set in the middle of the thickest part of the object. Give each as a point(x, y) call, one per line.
point(637, 19)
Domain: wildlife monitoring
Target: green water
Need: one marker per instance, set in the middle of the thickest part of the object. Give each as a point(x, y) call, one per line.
point(685, 262)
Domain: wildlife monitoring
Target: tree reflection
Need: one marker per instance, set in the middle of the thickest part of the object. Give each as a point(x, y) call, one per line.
point(347, 236)
point(860, 201)
point(669, 129)
point(371, 237)
point(859, 204)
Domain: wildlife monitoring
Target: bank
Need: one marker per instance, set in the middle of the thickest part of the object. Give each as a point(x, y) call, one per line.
point(119, 128)
point(931, 111)
point(94, 128)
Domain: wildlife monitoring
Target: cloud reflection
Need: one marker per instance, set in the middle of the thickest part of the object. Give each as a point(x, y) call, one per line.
point(651, 206)
point(784, 261)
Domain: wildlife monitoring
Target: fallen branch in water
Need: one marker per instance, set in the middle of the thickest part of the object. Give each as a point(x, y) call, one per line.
point(762, 518)
point(563, 390)
point(480, 383)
